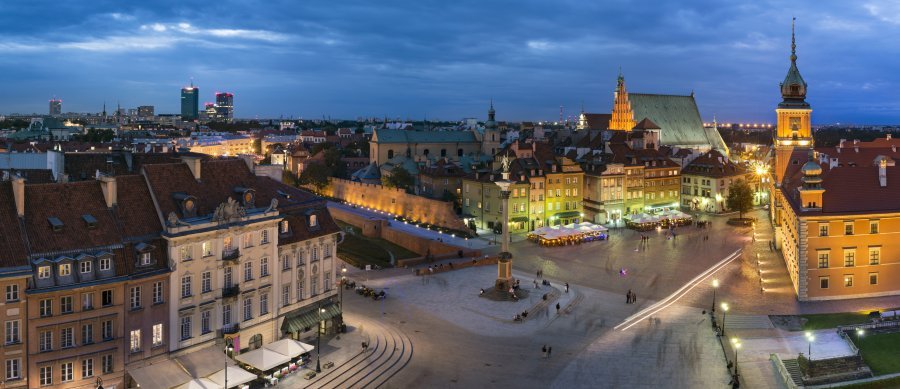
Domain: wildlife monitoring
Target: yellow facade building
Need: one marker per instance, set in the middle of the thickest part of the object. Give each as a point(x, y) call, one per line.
point(836, 210)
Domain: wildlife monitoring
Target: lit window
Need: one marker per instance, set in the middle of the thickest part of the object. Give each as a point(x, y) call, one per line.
point(43, 272)
point(186, 253)
point(284, 226)
point(146, 259)
point(849, 258)
point(135, 341)
point(157, 334)
point(65, 269)
point(207, 249)
point(313, 221)
point(874, 255)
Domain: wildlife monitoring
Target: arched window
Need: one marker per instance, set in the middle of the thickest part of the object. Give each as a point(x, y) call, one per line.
point(255, 341)
point(390, 154)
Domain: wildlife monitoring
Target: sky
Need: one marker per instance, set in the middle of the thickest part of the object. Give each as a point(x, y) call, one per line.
point(446, 60)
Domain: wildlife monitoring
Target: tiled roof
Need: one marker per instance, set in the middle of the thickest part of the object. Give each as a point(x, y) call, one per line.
point(851, 187)
point(624, 154)
point(677, 117)
point(12, 245)
point(597, 121)
point(33, 176)
point(442, 168)
point(135, 207)
point(68, 202)
point(714, 164)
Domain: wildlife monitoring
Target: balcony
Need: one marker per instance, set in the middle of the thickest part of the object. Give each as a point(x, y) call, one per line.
point(231, 329)
point(231, 255)
point(231, 291)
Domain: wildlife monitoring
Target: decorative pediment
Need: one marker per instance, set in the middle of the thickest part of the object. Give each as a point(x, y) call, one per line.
point(229, 211)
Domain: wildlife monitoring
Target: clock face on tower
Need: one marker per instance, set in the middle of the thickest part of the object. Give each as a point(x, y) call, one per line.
point(795, 124)
point(188, 205)
point(248, 198)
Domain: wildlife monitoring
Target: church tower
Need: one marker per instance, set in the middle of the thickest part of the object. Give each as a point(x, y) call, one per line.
point(793, 128)
point(490, 143)
point(622, 114)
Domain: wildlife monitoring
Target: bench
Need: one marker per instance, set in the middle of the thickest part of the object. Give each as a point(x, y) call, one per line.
point(328, 365)
point(309, 375)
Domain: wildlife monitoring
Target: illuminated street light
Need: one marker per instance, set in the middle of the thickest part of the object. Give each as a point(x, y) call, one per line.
point(715, 284)
point(809, 338)
point(724, 312)
point(736, 343)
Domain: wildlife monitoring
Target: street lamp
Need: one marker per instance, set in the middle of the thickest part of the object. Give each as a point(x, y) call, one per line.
point(724, 312)
point(228, 349)
point(715, 285)
point(736, 344)
point(319, 340)
point(859, 333)
point(809, 338)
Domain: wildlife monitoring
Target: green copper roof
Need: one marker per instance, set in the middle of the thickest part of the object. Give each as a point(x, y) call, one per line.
point(678, 119)
point(387, 135)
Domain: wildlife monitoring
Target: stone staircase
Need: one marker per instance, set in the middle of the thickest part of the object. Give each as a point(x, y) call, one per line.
point(793, 368)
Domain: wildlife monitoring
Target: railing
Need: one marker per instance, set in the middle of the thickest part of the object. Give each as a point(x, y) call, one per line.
point(782, 371)
point(231, 291)
point(231, 329)
point(231, 255)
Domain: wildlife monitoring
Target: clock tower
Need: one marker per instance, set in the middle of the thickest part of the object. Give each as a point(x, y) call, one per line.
point(793, 129)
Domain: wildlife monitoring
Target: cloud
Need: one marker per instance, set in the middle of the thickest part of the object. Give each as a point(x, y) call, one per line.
point(122, 43)
point(121, 17)
point(887, 11)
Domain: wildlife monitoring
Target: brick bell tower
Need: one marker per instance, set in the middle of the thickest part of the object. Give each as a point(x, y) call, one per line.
point(622, 114)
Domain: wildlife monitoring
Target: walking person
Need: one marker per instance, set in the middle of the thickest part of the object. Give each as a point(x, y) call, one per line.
point(633, 298)
point(628, 297)
point(557, 308)
point(544, 351)
point(567, 287)
point(549, 351)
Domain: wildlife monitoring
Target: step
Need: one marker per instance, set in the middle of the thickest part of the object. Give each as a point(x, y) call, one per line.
point(793, 368)
point(747, 322)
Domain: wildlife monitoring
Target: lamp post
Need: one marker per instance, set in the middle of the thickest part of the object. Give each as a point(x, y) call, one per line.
point(859, 333)
point(724, 312)
point(319, 340)
point(736, 344)
point(341, 297)
point(228, 349)
point(715, 284)
point(809, 338)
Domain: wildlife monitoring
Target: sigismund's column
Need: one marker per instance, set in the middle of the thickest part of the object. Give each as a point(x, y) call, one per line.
point(504, 265)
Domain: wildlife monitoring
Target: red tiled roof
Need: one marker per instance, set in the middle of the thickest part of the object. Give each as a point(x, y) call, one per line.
point(12, 247)
point(714, 164)
point(135, 207)
point(853, 186)
point(68, 202)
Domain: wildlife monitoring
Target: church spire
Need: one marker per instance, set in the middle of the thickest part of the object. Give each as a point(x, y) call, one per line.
point(793, 41)
point(793, 89)
point(622, 114)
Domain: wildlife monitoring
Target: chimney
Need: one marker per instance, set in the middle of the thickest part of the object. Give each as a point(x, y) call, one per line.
point(855, 142)
point(893, 148)
point(856, 148)
point(882, 173)
point(833, 164)
point(889, 136)
point(110, 191)
point(18, 185)
point(841, 143)
point(193, 163)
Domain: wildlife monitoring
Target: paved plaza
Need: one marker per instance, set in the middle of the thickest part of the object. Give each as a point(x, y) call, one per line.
point(461, 340)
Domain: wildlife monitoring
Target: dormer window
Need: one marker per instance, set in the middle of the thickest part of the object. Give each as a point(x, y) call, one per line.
point(284, 227)
point(186, 203)
point(43, 272)
point(313, 221)
point(55, 223)
point(145, 254)
point(86, 266)
point(146, 259)
point(65, 269)
point(247, 196)
point(90, 221)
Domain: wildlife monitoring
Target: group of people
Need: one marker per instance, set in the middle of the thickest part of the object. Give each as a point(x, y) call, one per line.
point(630, 297)
point(521, 316)
point(546, 351)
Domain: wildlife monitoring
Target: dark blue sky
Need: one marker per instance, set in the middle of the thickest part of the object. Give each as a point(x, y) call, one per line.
point(446, 59)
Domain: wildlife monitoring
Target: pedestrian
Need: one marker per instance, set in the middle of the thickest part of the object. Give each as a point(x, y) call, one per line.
point(544, 351)
point(536, 285)
point(628, 297)
point(549, 351)
point(557, 308)
point(537, 274)
point(633, 298)
point(567, 287)
point(481, 292)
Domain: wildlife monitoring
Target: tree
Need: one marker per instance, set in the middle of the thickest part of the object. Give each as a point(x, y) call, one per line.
point(334, 162)
point(740, 197)
point(399, 178)
point(315, 174)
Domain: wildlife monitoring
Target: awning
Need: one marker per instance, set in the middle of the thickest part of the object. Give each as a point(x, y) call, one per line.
point(161, 375)
point(568, 214)
point(263, 359)
point(289, 347)
point(204, 362)
point(236, 377)
point(309, 318)
point(199, 383)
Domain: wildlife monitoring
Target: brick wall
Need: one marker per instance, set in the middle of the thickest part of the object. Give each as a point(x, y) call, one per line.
point(396, 201)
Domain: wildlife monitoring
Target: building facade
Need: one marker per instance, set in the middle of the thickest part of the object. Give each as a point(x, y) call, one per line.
point(706, 182)
point(190, 103)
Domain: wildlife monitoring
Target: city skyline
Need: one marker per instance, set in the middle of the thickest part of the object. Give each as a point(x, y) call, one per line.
point(429, 60)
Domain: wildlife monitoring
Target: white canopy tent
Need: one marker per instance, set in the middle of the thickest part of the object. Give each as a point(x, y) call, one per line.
point(200, 383)
point(161, 375)
point(263, 359)
point(289, 347)
point(236, 377)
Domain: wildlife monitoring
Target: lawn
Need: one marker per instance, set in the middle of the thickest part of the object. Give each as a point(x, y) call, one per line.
point(880, 352)
point(832, 320)
point(890, 383)
point(361, 251)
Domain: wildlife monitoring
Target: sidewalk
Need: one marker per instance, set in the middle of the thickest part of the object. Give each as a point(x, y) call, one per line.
point(337, 348)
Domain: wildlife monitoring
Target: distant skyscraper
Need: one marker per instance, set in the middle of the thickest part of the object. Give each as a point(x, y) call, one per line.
point(225, 106)
point(190, 102)
point(145, 111)
point(55, 107)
